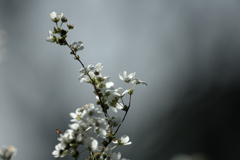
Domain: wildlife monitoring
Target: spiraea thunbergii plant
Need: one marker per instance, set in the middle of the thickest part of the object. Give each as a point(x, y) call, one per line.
point(93, 118)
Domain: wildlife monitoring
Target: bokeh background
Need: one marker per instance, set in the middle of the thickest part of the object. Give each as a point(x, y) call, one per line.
point(188, 51)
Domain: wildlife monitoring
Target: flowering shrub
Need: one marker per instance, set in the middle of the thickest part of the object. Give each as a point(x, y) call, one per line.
point(90, 118)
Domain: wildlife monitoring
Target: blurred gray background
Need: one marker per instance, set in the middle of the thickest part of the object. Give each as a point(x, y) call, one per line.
point(188, 51)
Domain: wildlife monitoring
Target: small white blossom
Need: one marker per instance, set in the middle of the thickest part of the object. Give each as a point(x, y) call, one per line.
point(53, 15)
point(56, 17)
point(85, 78)
point(124, 140)
point(51, 37)
point(117, 156)
point(67, 137)
point(60, 15)
point(7, 153)
point(89, 68)
point(126, 78)
point(98, 68)
point(121, 92)
point(74, 126)
point(59, 151)
point(138, 81)
point(77, 46)
point(101, 127)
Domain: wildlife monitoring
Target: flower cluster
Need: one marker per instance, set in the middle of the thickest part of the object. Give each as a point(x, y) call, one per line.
point(7, 153)
point(86, 120)
point(89, 120)
point(61, 39)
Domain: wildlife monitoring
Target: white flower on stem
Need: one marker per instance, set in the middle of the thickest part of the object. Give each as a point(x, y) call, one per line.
point(121, 92)
point(126, 78)
point(60, 15)
point(124, 140)
point(98, 68)
point(59, 151)
point(101, 127)
point(91, 144)
point(92, 111)
point(76, 116)
point(117, 156)
point(55, 17)
point(74, 126)
point(79, 137)
point(51, 37)
point(85, 78)
point(112, 95)
point(94, 146)
point(67, 137)
point(77, 46)
point(138, 81)
point(87, 69)
point(118, 106)
point(7, 153)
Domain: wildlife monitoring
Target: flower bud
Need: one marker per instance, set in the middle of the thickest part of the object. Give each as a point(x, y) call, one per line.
point(63, 32)
point(70, 26)
point(61, 41)
point(64, 19)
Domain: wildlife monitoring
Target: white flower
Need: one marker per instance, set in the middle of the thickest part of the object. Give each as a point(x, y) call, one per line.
point(121, 92)
point(126, 78)
point(119, 106)
point(98, 68)
point(74, 126)
point(85, 78)
point(87, 69)
point(53, 15)
point(94, 146)
point(138, 81)
point(124, 140)
point(59, 151)
point(60, 15)
point(101, 127)
point(56, 17)
point(67, 137)
point(77, 46)
point(117, 156)
point(51, 37)
point(7, 153)
point(79, 137)
point(92, 111)
point(91, 143)
point(77, 115)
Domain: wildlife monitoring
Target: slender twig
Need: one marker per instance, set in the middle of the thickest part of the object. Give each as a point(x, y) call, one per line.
point(122, 120)
point(94, 85)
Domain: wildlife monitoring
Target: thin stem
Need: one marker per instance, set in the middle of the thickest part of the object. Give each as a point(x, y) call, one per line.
point(124, 114)
point(113, 147)
point(122, 120)
point(95, 87)
point(83, 151)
